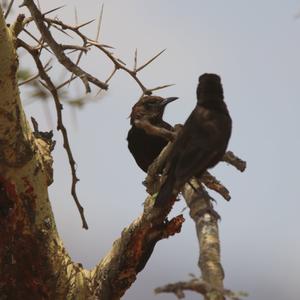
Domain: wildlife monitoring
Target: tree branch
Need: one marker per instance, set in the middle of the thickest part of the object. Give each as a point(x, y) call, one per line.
point(60, 126)
point(235, 161)
point(58, 51)
point(129, 254)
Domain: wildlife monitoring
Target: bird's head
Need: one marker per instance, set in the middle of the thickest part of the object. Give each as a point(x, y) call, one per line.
point(209, 87)
point(150, 107)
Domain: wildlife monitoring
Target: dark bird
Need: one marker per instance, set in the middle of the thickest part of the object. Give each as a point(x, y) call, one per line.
point(202, 141)
point(149, 133)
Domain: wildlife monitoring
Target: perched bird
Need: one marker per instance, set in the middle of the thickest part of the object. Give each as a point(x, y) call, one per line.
point(149, 133)
point(202, 141)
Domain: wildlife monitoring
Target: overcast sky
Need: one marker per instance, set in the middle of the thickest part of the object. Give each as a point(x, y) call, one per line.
point(254, 46)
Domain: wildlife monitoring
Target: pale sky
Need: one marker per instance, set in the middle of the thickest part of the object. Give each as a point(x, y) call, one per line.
point(254, 46)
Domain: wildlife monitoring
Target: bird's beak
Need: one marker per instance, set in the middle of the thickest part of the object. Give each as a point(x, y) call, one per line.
point(168, 100)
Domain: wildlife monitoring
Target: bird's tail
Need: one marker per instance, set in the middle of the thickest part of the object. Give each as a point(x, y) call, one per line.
point(165, 193)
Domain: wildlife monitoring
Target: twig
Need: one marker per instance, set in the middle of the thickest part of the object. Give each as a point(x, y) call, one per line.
point(196, 285)
point(65, 83)
point(40, 42)
point(235, 161)
point(212, 183)
point(58, 51)
point(60, 126)
point(118, 63)
point(108, 79)
point(34, 76)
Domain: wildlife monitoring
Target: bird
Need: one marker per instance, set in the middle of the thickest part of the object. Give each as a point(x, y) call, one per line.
point(149, 133)
point(202, 141)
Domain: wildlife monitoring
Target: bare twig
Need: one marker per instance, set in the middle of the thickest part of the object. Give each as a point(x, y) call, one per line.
point(121, 66)
point(118, 63)
point(108, 79)
point(58, 51)
point(235, 161)
point(40, 42)
point(212, 183)
point(65, 83)
point(60, 126)
point(196, 285)
point(46, 69)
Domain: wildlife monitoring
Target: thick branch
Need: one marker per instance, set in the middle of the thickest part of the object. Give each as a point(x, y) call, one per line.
point(31, 254)
point(129, 254)
point(201, 211)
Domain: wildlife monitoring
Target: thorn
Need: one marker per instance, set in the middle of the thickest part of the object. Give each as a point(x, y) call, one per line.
point(122, 62)
point(135, 60)
point(161, 87)
point(150, 61)
point(62, 31)
point(107, 46)
point(84, 24)
point(76, 15)
point(9, 8)
point(99, 23)
point(52, 10)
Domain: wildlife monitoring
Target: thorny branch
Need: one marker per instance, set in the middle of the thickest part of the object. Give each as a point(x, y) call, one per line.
point(60, 126)
point(117, 62)
point(58, 50)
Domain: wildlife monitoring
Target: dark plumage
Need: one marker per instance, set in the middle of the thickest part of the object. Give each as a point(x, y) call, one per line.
point(202, 141)
point(149, 132)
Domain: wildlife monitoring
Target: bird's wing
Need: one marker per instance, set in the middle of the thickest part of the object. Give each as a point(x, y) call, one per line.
point(193, 160)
